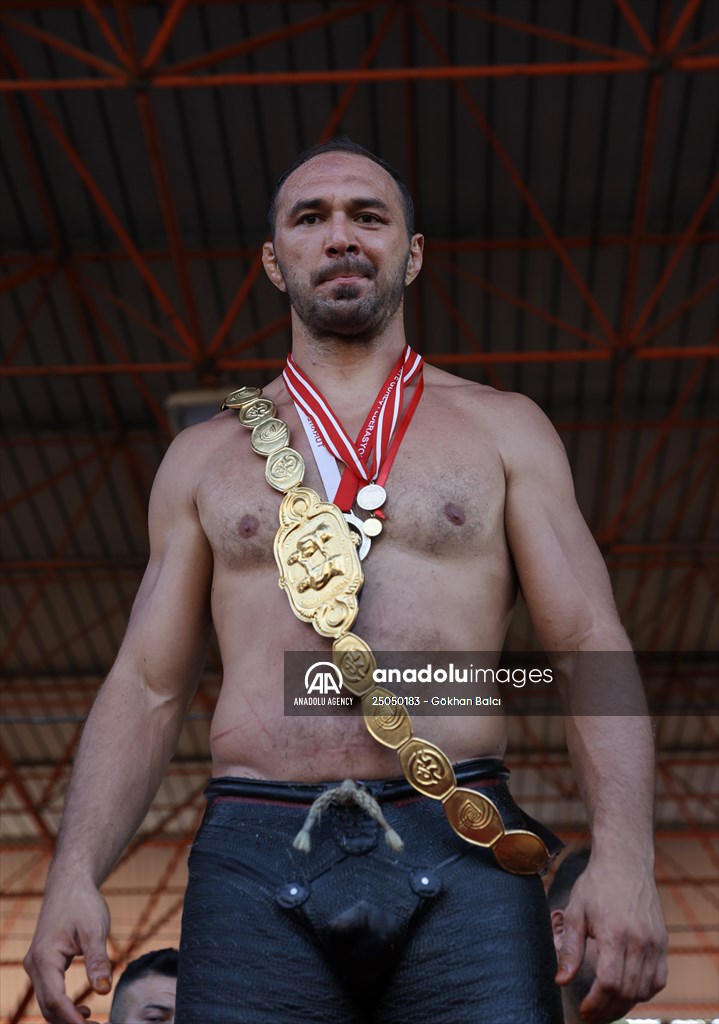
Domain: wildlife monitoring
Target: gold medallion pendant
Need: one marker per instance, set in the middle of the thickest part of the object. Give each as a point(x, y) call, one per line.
point(319, 566)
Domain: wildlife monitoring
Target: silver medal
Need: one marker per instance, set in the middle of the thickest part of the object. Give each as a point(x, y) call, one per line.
point(371, 496)
point(355, 523)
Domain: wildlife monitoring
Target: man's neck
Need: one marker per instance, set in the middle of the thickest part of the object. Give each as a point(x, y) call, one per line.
point(348, 373)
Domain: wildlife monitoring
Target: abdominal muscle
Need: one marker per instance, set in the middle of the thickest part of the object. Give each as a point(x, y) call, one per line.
point(250, 734)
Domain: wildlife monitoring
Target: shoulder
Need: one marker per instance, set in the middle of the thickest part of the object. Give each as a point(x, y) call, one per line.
point(192, 452)
point(515, 424)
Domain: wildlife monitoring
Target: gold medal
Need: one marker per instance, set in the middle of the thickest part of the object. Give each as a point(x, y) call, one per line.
point(269, 436)
point(355, 660)
point(285, 469)
point(256, 411)
point(427, 768)
point(372, 527)
point(473, 817)
point(236, 399)
point(388, 723)
point(317, 558)
point(371, 496)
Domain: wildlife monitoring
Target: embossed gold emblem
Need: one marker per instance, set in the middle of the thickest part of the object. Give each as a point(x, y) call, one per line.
point(317, 558)
point(473, 817)
point(269, 436)
point(520, 852)
point(355, 660)
point(388, 723)
point(236, 399)
point(427, 768)
point(256, 411)
point(285, 469)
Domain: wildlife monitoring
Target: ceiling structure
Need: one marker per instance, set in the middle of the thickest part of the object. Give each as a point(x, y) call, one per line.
point(563, 157)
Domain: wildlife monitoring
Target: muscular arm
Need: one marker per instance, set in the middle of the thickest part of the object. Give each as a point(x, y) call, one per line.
point(568, 594)
point(129, 738)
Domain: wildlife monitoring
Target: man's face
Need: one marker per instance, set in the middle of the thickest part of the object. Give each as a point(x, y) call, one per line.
point(151, 998)
point(341, 249)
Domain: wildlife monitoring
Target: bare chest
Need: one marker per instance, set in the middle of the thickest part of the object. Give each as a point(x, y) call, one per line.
point(445, 497)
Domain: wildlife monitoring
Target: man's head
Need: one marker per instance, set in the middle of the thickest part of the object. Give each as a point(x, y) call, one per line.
point(342, 244)
point(558, 896)
point(341, 144)
point(146, 990)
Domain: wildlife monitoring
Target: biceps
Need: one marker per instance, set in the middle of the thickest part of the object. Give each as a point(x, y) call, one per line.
point(561, 572)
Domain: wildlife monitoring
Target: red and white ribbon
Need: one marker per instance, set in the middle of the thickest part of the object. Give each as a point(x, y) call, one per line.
point(379, 438)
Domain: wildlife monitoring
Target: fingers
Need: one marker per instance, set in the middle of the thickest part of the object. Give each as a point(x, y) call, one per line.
point(627, 973)
point(572, 952)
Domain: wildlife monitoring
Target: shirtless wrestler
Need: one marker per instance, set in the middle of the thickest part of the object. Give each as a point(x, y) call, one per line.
point(480, 501)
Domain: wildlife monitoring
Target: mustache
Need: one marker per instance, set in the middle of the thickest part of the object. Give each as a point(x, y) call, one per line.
point(344, 266)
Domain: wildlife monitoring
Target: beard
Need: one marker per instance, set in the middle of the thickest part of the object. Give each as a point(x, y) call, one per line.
point(343, 310)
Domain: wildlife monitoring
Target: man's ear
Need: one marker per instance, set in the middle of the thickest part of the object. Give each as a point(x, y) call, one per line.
point(272, 267)
point(414, 265)
point(558, 928)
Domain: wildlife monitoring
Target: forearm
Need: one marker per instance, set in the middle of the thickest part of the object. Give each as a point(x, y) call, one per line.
point(610, 743)
point(126, 745)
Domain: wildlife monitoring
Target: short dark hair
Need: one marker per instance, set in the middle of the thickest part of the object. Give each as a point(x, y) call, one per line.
point(341, 144)
point(158, 961)
point(573, 865)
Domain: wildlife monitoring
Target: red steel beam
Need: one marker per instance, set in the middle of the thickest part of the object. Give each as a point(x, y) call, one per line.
point(690, 9)
point(514, 176)
point(45, 835)
point(278, 35)
point(700, 44)
point(367, 58)
point(428, 74)
point(34, 172)
point(105, 208)
point(36, 269)
point(711, 286)
point(527, 307)
point(55, 478)
point(89, 281)
point(464, 328)
point(538, 243)
point(280, 324)
point(148, 398)
point(610, 532)
point(56, 43)
point(640, 209)
point(702, 353)
point(93, 8)
point(111, 410)
point(635, 25)
point(171, 221)
point(675, 259)
point(162, 37)
point(29, 319)
point(527, 28)
point(63, 543)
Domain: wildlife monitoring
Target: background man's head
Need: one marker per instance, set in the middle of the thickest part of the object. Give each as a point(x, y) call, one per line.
point(558, 896)
point(146, 990)
point(341, 144)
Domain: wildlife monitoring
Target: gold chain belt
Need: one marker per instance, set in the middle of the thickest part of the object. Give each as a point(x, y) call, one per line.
point(321, 573)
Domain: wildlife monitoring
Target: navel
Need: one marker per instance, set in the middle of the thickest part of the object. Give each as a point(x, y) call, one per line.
point(454, 513)
point(249, 526)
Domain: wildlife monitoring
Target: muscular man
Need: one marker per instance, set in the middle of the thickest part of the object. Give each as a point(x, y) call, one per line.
point(146, 990)
point(480, 501)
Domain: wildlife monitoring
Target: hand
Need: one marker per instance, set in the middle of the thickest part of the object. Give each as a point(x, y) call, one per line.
point(618, 906)
point(73, 921)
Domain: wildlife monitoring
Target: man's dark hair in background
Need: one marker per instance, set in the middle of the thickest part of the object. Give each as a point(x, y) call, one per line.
point(341, 144)
point(162, 962)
